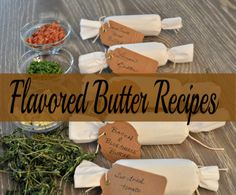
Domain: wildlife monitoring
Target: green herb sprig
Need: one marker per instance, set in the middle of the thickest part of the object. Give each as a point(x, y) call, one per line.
point(44, 67)
point(40, 163)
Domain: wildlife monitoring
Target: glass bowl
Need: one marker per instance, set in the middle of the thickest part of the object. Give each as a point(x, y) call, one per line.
point(66, 60)
point(29, 28)
point(62, 56)
point(39, 126)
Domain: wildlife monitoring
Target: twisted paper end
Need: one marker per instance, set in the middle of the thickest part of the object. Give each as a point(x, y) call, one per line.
point(209, 178)
point(92, 62)
point(181, 54)
point(89, 28)
point(84, 132)
point(171, 23)
point(88, 175)
point(205, 126)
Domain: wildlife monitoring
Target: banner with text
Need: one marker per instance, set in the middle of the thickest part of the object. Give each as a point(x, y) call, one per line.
point(152, 97)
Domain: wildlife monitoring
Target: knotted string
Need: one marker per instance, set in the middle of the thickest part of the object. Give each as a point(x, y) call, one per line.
point(96, 38)
point(90, 189)
point(100, 20)
point(197, 192)
point(224, 169)
point(220, 169)
point(98, 146)
point(205, 146)
point(176, 31)
point(100, 66)
point(107, 182)
point(107, 57)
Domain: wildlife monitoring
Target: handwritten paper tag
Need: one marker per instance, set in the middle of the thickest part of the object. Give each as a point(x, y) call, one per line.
point(123, 60)
point(113, 33)
point(128, 181)
point(119, 140)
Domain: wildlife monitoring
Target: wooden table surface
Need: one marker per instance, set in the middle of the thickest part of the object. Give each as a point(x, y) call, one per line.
point(209, 24)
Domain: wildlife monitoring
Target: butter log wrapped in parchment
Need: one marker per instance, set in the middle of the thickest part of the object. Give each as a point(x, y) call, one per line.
point(97, 61)
point(183, 176)
point(148, 24)
point(149, 133)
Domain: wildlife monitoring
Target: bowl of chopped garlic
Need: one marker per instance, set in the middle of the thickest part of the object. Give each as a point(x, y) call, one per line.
point(38, 126)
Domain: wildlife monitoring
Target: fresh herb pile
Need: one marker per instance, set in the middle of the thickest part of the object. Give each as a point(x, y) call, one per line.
point(40, 163)
point(44, 67)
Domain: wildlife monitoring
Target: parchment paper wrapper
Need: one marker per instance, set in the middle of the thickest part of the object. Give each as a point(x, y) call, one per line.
point(149, 24)
point(183, 176)
point(149, 133)
point(96, 61)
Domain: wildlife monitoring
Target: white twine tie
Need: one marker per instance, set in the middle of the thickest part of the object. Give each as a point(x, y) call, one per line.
point(100, 20)
point(204, 145)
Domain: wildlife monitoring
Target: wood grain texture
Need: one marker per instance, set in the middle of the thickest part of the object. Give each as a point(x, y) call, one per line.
point(209, 24)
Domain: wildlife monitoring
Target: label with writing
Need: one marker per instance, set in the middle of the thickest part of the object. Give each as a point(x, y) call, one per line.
point(129, 181)
point(123, 60)
point(113, 33)
point(119, 140)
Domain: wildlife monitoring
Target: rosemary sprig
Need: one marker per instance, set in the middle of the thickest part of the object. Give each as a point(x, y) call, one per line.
point(40, 163)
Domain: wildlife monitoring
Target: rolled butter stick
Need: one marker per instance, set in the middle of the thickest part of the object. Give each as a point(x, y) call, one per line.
point(149, 133)
point(148, 24)
point(157, 133)
point(183, 176)
point(96, 61)
point(84, 132)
